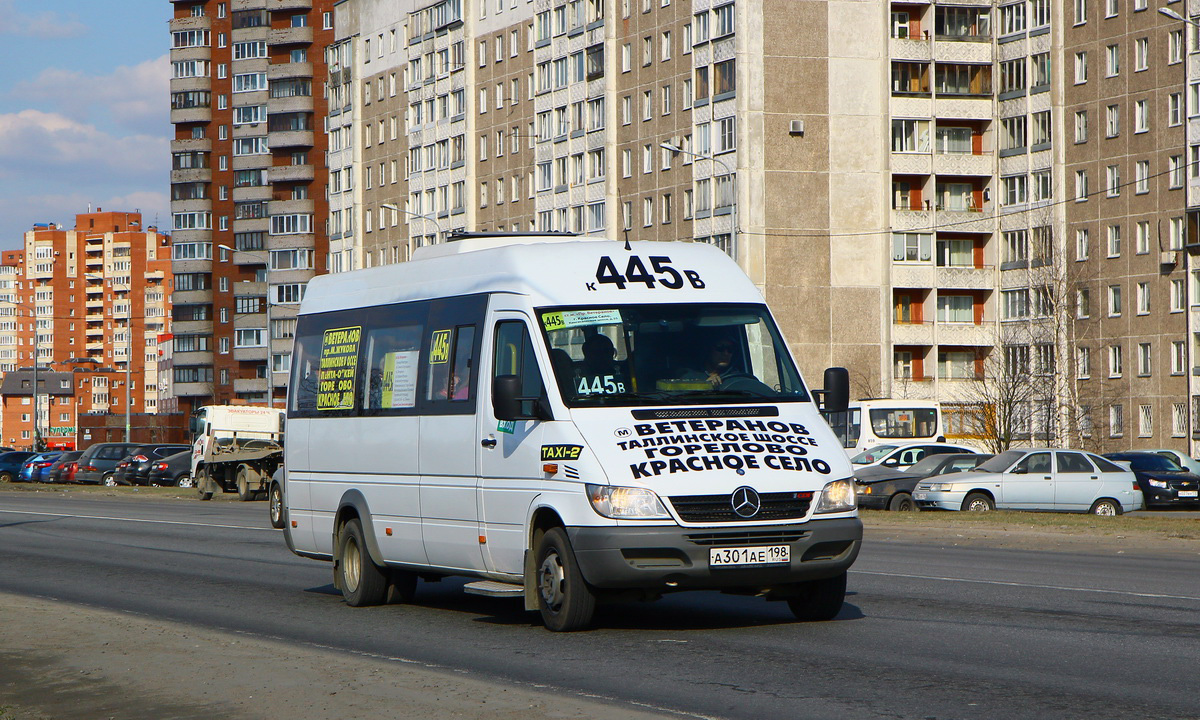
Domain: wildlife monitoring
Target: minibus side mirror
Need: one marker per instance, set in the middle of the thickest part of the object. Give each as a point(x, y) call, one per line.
point(508, 404)
point(835, 397)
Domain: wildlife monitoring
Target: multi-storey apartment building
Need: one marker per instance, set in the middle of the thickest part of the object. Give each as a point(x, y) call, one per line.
point(94, 296)
point(248, 189)
point(1126, 170)
point(942, 196)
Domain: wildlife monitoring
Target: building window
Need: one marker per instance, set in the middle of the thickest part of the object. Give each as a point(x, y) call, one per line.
point(1145, 421)
point(1114, 361)
point(1082, 244)
point(1114, 241)
point(1114, 300)
point(1116, 420)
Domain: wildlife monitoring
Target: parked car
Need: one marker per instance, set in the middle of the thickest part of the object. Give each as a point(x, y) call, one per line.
point(56, 472)
point(1179, 457)
point(902, 455)
point(885, 488)
point(70, 471)
point(35, 466)
point(11, 462)
point(134, 469)
point(1163, 482)
point(172, 470)
point(1036, 479)
point(98, 462)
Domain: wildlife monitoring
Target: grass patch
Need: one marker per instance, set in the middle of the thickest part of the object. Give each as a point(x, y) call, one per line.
point(1182, 528)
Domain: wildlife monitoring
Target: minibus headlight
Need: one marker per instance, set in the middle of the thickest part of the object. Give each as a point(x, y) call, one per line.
point(623, 503)
point(837, 496)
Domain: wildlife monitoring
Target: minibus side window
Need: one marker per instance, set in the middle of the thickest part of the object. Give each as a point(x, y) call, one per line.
point(514, 356)
point(450, 363)
point(393, 360)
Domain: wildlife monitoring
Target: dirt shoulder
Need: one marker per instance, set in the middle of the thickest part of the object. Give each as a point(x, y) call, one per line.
point(65, 662)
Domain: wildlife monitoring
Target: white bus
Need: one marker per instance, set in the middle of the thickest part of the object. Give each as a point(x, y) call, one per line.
point(564, 420)
point(869, 422)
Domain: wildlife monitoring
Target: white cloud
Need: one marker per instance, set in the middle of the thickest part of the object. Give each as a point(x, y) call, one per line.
point(43, 25)
point(134, 97)
point(52, 166)
point(32, 140)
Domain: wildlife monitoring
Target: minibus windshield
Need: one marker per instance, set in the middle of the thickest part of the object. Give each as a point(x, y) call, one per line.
point(628, 355)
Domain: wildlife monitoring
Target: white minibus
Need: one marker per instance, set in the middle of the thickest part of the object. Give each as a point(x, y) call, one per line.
point(567, 420)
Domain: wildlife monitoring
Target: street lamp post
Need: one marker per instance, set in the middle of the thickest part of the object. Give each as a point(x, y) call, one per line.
point(737, 248)
point(395, 208)
point(270, 348)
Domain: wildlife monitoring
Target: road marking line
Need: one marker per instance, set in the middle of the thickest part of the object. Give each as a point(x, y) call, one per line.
point(1160, 596)
point(153, 522)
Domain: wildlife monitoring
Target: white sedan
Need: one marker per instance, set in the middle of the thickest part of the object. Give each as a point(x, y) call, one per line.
point(1036, 479)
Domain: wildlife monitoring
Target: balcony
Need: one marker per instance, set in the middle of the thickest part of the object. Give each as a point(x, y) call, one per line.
point(962, 164)
point(187, 206)
point(291, 5)
point(966, 278)
point(191, 115)
point(291, 138)
point(909, 49)
point(250, 385)
point(295, 103)
point(186, 327)
point(191, 53)
point(966, 50)
point(190, 236)
point(191, 297)
point(249, 354)
point(911, 163)
point(967, 221)
point(290, 207)
point(200, 389)
point(257, 192)
point(966, 334)
point(912, 275)
point(911, 220)
point(912, 334)
point(282, 71)
point(192, 145)
point(195, 175)
point(290, 36)
point(202, 22)
point(190, 84)
point(914, 388)
point(290, 173)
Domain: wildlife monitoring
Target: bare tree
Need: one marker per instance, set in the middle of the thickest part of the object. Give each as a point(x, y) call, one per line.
point(1000, 400)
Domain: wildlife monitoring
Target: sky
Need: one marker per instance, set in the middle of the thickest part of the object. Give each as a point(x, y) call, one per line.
point(84, 111)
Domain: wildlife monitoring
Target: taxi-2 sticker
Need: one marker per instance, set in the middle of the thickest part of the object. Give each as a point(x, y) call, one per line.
point(439, 347)
point(677, 446)
point(561, 452)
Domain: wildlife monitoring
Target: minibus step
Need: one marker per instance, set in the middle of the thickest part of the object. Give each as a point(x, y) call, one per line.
point(491, 588)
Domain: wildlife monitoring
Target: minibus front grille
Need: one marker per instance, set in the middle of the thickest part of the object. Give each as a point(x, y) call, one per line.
point(719, 508)
point(755, 537)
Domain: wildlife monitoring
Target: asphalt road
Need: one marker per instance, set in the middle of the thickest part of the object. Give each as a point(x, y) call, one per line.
point(930, 630)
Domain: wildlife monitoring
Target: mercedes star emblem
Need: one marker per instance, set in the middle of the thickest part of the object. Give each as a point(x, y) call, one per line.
point(745, 502)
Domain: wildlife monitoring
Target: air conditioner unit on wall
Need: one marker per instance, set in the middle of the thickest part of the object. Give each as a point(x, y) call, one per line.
point(1166, 257)
point(797, 127)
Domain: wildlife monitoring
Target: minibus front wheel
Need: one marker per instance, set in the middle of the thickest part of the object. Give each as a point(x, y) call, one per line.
point(564, 598)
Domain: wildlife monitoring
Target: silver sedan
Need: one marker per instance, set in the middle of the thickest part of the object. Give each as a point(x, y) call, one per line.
point(1036, 479)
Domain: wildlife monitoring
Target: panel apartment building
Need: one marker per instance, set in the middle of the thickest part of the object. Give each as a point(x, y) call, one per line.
point(92, 300)
point(248, 191)
point(946, 197)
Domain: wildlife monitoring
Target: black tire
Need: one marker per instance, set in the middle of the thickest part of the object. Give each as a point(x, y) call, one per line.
point(185, 481)
point(565, 600)
point(109, 480)
point(1106, 507)
point(902, 502)
point(276, 509)
point(819, 600)
point(204, 485)
point(362, 582)
point(6, 477)
point(978, 502)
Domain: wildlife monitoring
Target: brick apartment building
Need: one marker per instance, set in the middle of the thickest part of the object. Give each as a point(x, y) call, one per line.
point(87, 304)
point(248, 192)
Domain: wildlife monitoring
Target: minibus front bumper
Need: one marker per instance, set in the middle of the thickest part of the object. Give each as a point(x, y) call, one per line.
point(678, 558)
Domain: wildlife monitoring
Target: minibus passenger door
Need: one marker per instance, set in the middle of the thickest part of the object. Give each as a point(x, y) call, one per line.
point(510, 449)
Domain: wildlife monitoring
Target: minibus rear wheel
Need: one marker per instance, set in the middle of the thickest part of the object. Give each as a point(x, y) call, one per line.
point(564, 598)
point(361, 580)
